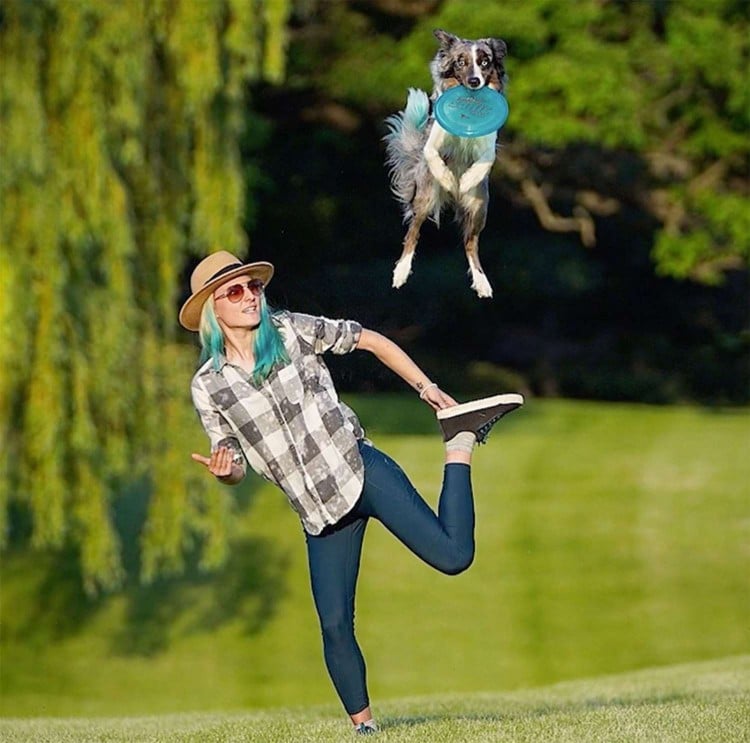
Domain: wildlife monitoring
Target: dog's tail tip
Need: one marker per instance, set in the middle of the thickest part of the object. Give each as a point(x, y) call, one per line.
point(417, 109)
point(412, 119)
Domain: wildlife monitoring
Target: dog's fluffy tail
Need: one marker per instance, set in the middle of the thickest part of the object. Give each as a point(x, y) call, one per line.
point(404, 142)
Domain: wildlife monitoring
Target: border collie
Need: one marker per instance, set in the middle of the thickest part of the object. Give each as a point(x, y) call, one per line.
point(430, 168)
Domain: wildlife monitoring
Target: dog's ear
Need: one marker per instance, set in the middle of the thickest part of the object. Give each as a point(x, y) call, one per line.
point(446, 40)
point(499, 48)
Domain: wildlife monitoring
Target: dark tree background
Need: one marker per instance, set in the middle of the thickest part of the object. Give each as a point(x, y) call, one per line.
point(598, 203)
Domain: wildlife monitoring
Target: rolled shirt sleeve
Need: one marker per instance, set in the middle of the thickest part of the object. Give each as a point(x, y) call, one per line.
point(323, 334)
point(217, 428)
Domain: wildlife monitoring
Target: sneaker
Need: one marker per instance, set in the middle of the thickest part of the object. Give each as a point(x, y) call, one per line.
point(363, 729)
point(477, 416)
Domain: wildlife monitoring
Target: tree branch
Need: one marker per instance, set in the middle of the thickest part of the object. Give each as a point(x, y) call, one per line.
point(581, 222)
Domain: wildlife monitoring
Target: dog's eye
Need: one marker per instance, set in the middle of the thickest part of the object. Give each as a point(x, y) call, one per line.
point(484, 63)
point(461, 63)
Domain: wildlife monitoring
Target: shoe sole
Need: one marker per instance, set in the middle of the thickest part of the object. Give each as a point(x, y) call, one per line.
point(487, 402)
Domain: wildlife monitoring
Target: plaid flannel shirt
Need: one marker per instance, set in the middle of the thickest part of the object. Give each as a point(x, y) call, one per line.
point(292, 429)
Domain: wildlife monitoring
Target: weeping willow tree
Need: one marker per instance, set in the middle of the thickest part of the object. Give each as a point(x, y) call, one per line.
point(119, 134)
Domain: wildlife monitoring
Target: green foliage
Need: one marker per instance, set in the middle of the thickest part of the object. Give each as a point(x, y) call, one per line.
point(668, 81)
point(120, 126)
point(720, 231)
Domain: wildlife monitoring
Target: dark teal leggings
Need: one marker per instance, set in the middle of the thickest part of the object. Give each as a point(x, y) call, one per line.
point(445, 541)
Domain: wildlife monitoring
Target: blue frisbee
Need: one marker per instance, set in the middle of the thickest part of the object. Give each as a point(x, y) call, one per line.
point(471, 113)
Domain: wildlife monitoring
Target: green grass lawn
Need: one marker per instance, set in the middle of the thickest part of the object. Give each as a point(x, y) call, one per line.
point(610, 538)
point(702, 702)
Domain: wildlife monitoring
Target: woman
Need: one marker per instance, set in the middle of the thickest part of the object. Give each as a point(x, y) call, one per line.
point(265, 397)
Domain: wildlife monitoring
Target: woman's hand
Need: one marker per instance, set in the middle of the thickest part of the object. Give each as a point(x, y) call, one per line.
point(437, 399)
point(219, 463)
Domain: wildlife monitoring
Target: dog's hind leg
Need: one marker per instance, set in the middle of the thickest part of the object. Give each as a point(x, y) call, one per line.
point(479, 281)
point(402, 271)
point(421, 206)
point(473, 206)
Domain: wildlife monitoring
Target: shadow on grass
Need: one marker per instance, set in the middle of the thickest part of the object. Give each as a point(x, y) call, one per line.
point(246, 590)
point(60, 607)
point(518, 712)
point(143, 619)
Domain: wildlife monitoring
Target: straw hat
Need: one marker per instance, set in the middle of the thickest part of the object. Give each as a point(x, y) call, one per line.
point(215, 270)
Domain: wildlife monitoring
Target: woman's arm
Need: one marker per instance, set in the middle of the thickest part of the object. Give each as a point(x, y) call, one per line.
point(398, 361)
point(225, 461)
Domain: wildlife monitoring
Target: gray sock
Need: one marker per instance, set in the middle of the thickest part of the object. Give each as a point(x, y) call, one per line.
point(463, 441)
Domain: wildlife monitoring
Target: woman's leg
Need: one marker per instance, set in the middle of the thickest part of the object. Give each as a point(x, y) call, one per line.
point(446, 540)
point(334, 558)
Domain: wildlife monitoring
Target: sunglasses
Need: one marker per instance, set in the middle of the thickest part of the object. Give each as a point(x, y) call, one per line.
point(236, 292)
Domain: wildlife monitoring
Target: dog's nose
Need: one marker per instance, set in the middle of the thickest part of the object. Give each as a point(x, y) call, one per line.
point(474, 82)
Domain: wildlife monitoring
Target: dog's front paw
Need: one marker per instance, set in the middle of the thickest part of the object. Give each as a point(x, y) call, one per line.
point(468, 181)
point(448, 182)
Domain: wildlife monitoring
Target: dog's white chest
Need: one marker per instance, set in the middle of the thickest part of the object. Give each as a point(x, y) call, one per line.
point(466, 150)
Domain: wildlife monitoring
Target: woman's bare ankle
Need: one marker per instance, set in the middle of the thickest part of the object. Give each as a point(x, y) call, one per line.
point(364, 716)
point(457, 457)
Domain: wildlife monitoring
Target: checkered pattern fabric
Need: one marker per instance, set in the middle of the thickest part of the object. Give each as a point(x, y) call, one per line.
point(292, 429)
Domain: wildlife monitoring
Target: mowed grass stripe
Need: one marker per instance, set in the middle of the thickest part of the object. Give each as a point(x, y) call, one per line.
point(702, 702)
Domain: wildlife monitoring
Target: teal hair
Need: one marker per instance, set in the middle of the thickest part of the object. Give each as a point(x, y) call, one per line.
point(210, 334)
point(268, 344)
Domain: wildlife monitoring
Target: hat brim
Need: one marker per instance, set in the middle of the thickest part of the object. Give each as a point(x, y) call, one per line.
point(190, 314)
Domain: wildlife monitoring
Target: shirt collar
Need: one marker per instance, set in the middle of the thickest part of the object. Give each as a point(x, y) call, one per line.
point(222, 363)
